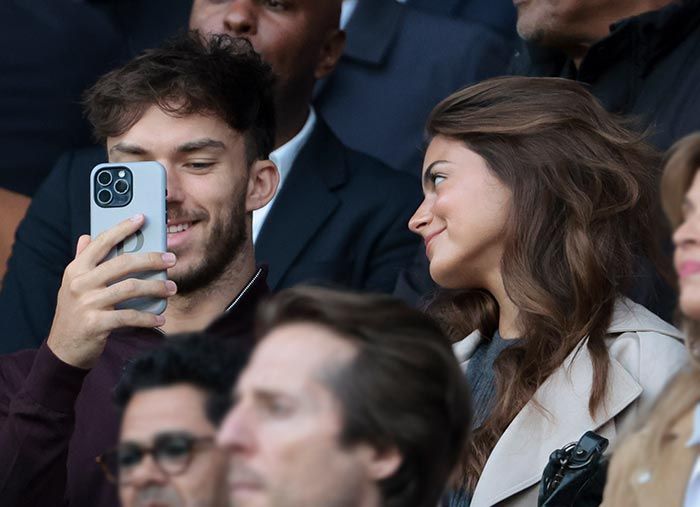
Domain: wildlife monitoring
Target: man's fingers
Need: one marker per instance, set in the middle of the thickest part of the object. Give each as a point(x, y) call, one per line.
point(134, 288)
point(132, 318)
point(83, 242)
point(126, 265)
point(99, 247)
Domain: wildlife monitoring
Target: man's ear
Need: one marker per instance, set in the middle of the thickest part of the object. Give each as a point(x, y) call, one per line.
point(331, 51)
point(263, 179)
point(382, 464)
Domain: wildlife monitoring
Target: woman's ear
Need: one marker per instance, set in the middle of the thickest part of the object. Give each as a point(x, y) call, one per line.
point(263, 179)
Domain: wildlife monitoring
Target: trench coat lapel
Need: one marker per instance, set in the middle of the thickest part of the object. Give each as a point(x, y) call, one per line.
point(519, 457)
point(524, 448)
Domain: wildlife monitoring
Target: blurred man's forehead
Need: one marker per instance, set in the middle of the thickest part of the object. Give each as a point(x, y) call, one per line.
point(294, 356)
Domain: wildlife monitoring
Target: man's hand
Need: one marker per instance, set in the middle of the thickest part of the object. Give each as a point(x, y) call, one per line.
point(85, 313)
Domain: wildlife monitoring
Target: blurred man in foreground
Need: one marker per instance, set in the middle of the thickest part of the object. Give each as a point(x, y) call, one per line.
point(348, 400)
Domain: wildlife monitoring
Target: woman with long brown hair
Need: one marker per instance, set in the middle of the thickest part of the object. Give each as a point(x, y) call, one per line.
point(538, 206)
point(658, 465)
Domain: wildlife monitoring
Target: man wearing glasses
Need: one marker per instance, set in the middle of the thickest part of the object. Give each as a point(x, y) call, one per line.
point(170, 401)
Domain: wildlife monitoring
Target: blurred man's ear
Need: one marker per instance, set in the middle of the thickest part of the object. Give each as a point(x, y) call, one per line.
point(382, 464)
point(331, 51)
point(263, 179)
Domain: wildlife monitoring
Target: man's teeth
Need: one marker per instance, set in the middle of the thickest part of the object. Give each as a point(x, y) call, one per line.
point(172, 229)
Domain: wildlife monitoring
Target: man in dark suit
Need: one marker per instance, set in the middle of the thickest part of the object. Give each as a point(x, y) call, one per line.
point(399, 62)
point(52, 51)
point(498, 15)
point(340, 216)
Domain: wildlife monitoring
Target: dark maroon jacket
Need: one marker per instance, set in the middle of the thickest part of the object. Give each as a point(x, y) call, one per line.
point(55, 418)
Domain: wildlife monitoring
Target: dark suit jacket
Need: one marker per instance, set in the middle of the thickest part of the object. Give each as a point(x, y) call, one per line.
point(51, 51)
point(340, 218)
point(500, 15)
point(399, 62)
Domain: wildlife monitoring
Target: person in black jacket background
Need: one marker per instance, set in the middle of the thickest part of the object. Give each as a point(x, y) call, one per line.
point(639, 58)
point(52, 50)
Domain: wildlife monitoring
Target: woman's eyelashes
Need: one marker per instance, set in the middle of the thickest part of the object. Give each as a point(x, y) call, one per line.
point(436, 178)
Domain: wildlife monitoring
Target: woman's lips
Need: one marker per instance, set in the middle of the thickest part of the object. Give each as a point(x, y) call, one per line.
point(431, 237)
point(689, 268)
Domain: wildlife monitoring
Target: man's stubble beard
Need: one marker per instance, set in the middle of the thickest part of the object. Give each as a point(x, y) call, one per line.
point(222, 246)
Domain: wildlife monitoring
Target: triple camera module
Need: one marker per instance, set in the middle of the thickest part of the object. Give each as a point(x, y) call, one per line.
point(113, 187)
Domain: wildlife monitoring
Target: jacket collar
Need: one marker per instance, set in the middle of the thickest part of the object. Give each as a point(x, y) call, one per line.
point(239, 315)
point(236, 319)
point(373, 27)
point(562, 415)
point(372, 30)
point(236, 322)
point(306, 200)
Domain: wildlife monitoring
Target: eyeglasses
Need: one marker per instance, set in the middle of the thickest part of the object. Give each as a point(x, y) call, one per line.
point(171, 452)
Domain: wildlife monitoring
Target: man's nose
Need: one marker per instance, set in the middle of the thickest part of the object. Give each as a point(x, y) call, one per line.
point(174, 191)
point(241, 18)
point(235, 432)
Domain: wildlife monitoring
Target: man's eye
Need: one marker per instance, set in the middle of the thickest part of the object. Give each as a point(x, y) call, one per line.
point(175, 448)
point(129, 456)
point(278, 408)
point(199, 165)
point(276, 4)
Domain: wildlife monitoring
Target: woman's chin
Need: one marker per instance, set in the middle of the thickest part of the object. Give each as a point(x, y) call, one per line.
point(445, 278)
point(689, 305)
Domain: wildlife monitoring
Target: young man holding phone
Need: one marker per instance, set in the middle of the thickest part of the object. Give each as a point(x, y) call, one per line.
point(204, 110)
point(339, 216)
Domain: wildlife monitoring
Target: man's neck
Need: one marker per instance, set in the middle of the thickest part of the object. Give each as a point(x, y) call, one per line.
point(290, 122)
point(194, 311)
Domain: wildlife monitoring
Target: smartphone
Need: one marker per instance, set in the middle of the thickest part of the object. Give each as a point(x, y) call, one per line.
point(119, 191)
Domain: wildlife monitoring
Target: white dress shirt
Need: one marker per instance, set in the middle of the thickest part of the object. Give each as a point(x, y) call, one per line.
point(348, 10)
point(284, 158)
point(692, 492)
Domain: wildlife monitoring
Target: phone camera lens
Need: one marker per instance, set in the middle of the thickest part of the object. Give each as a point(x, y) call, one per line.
point(104, 196)
point(104, 178)
point(121, 186)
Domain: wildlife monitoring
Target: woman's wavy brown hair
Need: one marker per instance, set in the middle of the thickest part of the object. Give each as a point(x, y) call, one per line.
point(582, 215)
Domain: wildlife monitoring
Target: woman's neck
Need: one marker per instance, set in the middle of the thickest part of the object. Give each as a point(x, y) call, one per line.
point(509, 326)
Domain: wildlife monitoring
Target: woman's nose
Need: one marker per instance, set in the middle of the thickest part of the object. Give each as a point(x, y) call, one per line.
point(420, 218)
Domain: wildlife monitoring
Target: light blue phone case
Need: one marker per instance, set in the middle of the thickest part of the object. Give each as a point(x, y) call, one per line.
point(148, 197)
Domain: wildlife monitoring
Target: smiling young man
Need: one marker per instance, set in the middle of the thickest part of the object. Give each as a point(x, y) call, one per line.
point(204, 110)
point(339, 216)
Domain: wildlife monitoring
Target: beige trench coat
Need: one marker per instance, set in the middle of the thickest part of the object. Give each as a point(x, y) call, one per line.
point(645, 352)
point(632, 483)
